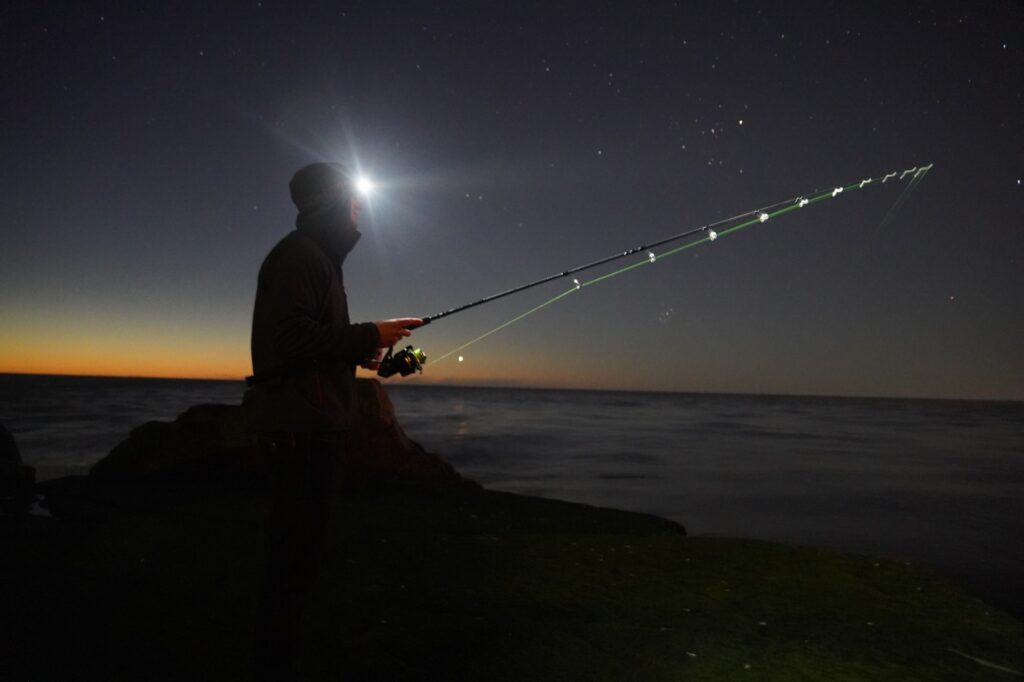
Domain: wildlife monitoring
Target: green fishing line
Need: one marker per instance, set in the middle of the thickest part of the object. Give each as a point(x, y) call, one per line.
point(761, 217)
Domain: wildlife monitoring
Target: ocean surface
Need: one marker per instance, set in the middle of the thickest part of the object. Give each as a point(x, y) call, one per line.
point(937, 483)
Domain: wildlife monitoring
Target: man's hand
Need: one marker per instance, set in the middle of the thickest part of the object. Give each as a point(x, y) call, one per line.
point(373, 364)
point(393, 330)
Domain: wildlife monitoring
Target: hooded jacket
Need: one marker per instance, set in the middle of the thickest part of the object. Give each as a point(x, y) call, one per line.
point(304, 347)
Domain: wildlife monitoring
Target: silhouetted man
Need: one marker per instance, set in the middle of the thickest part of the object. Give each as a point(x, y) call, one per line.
point(302, 394)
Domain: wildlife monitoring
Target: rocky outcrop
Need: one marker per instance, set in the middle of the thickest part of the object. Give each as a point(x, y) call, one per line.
point(215, 441)
point(17, 480)
point(203, 440)
point(379, 450)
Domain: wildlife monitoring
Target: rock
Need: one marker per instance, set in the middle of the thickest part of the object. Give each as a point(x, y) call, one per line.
point(8, 448)
point(17, 481)
point(214, 441)
point(379, 450)
point(204, 440)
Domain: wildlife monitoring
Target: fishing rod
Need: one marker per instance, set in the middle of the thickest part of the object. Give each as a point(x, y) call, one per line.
point(410, 359)
point(799, 201)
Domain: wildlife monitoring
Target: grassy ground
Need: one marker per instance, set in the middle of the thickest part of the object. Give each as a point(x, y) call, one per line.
point(160, 582)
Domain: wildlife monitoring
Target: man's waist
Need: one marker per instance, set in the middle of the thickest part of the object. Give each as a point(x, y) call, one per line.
point(290, 369)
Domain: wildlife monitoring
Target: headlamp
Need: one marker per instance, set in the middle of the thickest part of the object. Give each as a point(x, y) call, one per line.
point(364, 185)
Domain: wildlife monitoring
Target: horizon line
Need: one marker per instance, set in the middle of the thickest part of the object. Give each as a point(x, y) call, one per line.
point(423, 383)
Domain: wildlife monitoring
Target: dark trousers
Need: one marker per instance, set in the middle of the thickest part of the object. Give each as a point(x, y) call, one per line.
point(301, 491)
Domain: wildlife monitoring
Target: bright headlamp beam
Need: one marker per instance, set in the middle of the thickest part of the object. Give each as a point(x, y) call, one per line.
point(364, 185)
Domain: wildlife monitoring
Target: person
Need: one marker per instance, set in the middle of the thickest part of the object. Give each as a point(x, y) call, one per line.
point(302, 394)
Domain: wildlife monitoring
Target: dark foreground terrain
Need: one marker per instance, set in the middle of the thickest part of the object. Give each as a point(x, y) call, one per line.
point(158, 580)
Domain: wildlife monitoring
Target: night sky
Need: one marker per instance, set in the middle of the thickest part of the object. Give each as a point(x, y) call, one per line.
point(147, 149)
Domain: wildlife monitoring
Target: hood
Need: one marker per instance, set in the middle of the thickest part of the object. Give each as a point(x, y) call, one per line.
point(331, 228)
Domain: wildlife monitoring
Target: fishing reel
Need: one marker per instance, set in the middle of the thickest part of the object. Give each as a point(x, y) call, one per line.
point(404, 362)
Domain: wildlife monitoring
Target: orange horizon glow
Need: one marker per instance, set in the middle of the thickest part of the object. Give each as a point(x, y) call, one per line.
point(120, 372)
point(170, 358)
point(162, 349)
point(219, 354)
point(228, 366)
point(160, 360)
point(132, 371)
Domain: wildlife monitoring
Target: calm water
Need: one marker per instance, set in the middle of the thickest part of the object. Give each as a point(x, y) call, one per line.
point(933, 482)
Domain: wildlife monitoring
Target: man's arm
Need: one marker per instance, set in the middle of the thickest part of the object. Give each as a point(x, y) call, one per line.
point(298, 331)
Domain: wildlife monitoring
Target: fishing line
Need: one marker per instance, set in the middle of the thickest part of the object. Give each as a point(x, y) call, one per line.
point(515, 319)
point(902, 198)
point(761, 215)
point(652, 258)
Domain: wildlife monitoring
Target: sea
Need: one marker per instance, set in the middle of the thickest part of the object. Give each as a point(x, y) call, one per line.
point(931, 482)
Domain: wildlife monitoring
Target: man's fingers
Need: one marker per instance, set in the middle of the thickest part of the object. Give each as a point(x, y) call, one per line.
point(393, 330)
